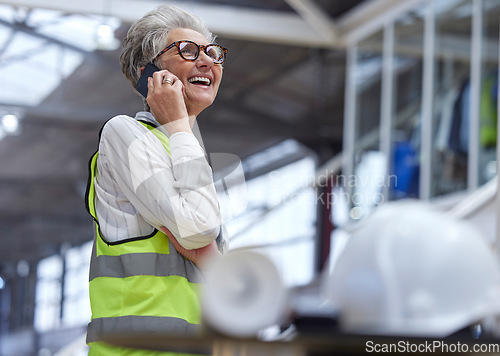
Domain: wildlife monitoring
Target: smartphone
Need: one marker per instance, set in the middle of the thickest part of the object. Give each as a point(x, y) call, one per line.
point(142, 84)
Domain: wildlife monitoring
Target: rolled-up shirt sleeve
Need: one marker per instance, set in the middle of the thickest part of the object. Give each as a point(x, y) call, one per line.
point(175, 191)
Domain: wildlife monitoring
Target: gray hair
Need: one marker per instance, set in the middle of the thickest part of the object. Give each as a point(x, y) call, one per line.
point(148, 35)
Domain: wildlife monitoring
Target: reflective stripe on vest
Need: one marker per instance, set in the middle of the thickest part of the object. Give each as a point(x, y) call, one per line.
point(138, 284)
point(147, 325)
point(148, 264)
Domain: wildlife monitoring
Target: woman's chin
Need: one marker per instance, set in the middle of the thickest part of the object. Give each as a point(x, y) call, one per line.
point(199, 105)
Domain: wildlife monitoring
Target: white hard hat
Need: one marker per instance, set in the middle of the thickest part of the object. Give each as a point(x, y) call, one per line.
point(409, 269)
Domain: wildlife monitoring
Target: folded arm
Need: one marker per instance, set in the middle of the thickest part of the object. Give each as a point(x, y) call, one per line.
point(176, 192)
point(201, 256)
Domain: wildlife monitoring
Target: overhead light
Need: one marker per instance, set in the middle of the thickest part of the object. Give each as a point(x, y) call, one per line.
point(10, 124)
point(105, 38)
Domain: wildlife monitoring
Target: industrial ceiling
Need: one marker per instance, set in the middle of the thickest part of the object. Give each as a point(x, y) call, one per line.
point(284, 79)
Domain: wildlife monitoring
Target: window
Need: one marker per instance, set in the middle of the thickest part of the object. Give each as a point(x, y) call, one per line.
point(62, 290)
point(279, 220)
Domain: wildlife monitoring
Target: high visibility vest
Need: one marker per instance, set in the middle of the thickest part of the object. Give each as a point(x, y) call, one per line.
point(139, 284)
point(488, 114)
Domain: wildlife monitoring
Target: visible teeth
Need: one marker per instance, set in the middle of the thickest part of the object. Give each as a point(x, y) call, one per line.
point(200, 79)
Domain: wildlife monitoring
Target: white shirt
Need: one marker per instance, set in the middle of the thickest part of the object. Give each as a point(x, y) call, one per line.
point(139, 187)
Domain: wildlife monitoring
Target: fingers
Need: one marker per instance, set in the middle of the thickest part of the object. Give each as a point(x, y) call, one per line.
point(166, 99)
point(175, 243)
point(164, 78)
point(172, 239)
point(167, 232)
point(161, 80)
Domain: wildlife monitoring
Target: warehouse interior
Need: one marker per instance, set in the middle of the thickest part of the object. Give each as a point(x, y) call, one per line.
point(314, 92)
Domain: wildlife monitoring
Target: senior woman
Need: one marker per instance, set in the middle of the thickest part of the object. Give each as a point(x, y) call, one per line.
point(151, 191)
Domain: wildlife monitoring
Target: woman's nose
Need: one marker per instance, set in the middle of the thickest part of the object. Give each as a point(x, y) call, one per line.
point(204, 60)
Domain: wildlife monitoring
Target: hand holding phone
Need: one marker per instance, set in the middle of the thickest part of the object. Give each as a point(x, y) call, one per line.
point(142, 84)
point(164, 113)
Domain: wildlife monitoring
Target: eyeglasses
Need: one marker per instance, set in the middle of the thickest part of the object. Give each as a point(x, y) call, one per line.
point(190, 51)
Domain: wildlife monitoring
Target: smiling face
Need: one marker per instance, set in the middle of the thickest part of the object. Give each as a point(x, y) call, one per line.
point(201, 77)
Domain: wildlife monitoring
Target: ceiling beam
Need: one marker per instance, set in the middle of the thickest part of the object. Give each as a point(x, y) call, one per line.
point(371, 16)
point(317, 18)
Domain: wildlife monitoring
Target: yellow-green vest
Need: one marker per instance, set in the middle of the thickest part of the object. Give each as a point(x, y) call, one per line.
point(488, 114)
point(140, 284)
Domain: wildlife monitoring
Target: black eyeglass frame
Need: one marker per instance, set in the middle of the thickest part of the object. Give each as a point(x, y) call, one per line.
point(200, 47)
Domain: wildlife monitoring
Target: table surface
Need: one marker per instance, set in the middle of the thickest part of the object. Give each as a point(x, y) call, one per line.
point(339, 344)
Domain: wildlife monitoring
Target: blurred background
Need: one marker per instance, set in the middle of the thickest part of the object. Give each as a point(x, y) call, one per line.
point(333, 108)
